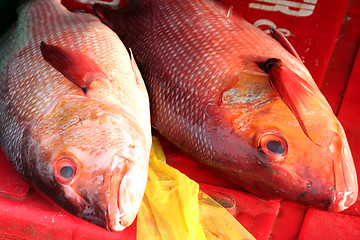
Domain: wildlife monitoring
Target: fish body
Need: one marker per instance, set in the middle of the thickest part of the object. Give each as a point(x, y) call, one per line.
point(237, 100)
point(74, 113)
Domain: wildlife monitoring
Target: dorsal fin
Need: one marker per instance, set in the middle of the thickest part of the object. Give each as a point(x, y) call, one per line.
point(284, 42)
point(74, 65)
point(87, 6)
point(135, 68)
point(104, 14)
point(295, 92)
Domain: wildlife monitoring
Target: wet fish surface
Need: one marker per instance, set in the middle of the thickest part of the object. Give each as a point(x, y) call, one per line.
point(74, 113)
point(239, 101)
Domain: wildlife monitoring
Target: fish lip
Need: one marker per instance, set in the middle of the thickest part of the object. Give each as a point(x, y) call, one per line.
point(115, 214)
point(343, 200)
point(343, 197)
point(345, 190)
point(130, 193)
point(115, 219)
point(128, 178)
point(115, 223)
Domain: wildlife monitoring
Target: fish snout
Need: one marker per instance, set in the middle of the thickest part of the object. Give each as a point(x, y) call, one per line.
point(343, 200)
point(128, 182)
point(345, 190)
point(332, 185)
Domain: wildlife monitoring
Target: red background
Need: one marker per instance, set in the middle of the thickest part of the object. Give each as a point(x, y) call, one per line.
point(326, 36)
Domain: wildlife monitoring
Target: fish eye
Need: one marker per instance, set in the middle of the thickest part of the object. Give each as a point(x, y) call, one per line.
point(65, 170)
point(273, 146)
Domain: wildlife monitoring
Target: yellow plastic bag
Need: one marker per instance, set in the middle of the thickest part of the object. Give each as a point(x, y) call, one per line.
point(173, 208)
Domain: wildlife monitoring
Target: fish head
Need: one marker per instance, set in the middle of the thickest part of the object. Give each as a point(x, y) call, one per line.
point(93, 161)
point(319, 172)
point(279, 156)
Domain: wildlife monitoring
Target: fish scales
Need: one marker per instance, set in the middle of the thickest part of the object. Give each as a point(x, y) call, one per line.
point(237, 100)
point(198, 66)
point(50, 125)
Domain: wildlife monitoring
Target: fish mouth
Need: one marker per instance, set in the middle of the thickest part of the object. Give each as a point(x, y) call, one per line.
point(343, 200)
point(129, 189)
point(345, 180)
point(340, 189)
point(117, 224)
point(116, 217)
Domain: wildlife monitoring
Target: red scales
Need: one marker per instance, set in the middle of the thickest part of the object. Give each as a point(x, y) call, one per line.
point(326, 36)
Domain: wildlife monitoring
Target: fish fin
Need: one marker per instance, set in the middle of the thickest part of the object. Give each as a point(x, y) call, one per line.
point(75, 5)
point(135, 68)
point(284, 42)
point(295, 92)
point(108, 13)
point(104, 14)
point(113, 4)
point(74, 65)
point(88, 6)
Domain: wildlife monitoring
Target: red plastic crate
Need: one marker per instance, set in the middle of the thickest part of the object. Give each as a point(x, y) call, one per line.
point(314, 27)
point(256, 215)
point(330, 226)
point(338, 73)
point(288, 223)
point(350, 112)
point(10, 181)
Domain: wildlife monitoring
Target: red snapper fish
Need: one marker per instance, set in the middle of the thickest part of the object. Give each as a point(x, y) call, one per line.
point(74, 117)
point(236, 99)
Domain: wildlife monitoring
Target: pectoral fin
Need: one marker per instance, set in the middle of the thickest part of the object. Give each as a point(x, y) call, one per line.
point(74, 65)
point(295, 92)
point(284, 42)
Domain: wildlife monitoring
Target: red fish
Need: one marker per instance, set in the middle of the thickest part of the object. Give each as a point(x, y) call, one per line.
point(239, 101)
point(74, 113)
